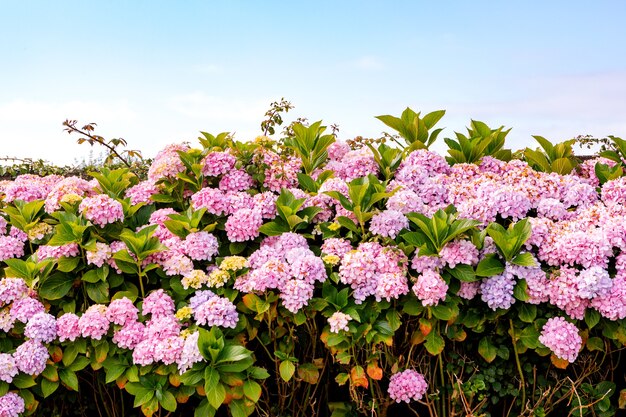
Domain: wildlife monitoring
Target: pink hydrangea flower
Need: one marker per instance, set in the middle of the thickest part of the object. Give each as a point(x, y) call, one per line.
point(10, 247)
point(101, 210)
point(562, 338)
point(214, 200)
point(67, 327)
point(142, 192)
point(216, 311)
point(42, 327)
point(75, 186)
point(11, 405)
point(217, 163)
point(190, 354)
point(296, 294)
point(388, 223)
point(265, 203)
point(31, 357)
point(200, 246)
point(459, 252)
point(94, 323)
point(168, 350)
point(407, 386)
point(100, 255)
point(130, 335)
point(243, 225)
point(167, 163)
point(25, 308)
point(8, 368)
point(68, 250)
point(430, 288)
point(158, 303)
point(468, 290)
point(12, 289)
point(339, 321)
point(236, 180)
point(122, 311)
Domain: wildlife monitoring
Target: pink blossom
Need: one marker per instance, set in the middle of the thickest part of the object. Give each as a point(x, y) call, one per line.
point(430, 288)
point(101, 210)
point(407, 386)
point(562, 338)
point(339, 321)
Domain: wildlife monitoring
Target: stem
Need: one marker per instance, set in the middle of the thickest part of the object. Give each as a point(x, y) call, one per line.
point(140, 275)
point(519, 366)
point(71, 128)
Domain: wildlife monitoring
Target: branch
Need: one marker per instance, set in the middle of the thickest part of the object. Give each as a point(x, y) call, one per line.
point(70, 127)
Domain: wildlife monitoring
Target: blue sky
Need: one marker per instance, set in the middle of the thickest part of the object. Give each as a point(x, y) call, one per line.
point(157, 72)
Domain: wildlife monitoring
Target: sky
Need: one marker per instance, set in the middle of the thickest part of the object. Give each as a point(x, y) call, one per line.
point(159, 72)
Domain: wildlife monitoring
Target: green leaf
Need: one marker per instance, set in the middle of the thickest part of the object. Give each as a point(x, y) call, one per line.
point(524, 259)
point(489, 266)
point(487, 350)
point(216, 394)
point(56, 286)
point(258, 373)
point(113, 371)
point(233, 353)
point(142, 395)
point(442, 312)
point(18, 268)
point(69, 378)
point(595, 343)
point(286, 369)
point(65, 264)
point(521, 290)
point(434, 343)
point(530, 337)
point(24, 381)
point(79, 364)
point(168, 401)
point(252, 390)
point(348, 223)
point(204, 409)
point(98, 292)
point(592, 318)
point(69, 354)
point(462, 272)
point(48, 387)
point(238, 408)
point(527, 312)
point(307, 183)
point(273, 228)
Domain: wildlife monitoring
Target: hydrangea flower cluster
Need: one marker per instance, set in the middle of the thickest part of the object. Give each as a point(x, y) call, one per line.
point(407, 386)
point(388, 223)
point(287, 264)
point(339, 321)
point(430, 288)
point(101, 210)
point(11, 405)
point(373, 269)
point(562, 338)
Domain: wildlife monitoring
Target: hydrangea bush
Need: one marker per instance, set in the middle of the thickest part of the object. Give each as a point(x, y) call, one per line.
point(308, 276)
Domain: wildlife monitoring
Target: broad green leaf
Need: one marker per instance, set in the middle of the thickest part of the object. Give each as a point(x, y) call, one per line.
point(286, 369)
point(489, 266)
point(56, 286)
point(487, 350)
